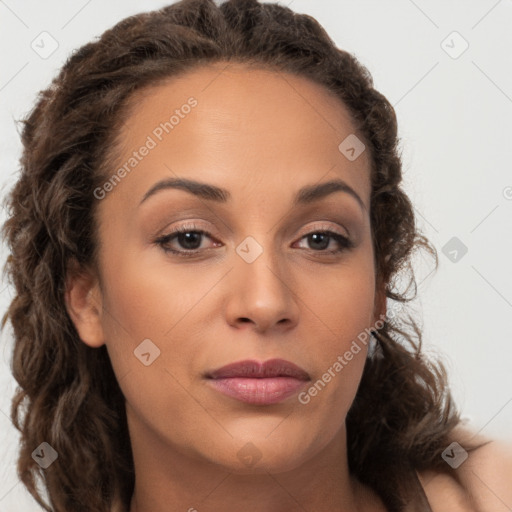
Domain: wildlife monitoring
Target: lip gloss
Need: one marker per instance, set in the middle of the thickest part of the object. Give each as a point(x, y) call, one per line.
point(258, 391)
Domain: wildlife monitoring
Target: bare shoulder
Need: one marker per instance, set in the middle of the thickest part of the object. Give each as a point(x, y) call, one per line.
point(485, 478)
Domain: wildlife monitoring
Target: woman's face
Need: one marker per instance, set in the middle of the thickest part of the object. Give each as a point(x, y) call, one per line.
point(264, 282)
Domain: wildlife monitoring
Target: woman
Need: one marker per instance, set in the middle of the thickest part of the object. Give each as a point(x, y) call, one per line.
point(204, 235)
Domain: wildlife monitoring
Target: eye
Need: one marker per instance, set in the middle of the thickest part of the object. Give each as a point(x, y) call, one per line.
point(320, 240)
point(188, 238)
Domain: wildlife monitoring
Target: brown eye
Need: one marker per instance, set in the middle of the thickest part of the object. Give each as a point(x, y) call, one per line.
point(187, 240)
point(320, 240)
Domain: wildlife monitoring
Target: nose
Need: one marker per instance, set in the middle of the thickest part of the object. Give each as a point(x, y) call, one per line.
point(261, 294)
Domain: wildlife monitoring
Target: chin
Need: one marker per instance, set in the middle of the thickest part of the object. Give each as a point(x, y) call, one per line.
point(256, 457)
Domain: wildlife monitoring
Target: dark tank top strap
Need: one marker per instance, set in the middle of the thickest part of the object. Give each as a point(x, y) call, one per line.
point(419, 501)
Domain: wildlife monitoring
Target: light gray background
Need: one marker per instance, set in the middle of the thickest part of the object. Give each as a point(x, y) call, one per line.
point(455, 122)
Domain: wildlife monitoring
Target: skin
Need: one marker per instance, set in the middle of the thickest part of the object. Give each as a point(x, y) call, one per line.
point(262, 136)
point(484, 477)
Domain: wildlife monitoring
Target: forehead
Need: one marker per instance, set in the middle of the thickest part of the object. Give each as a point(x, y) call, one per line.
point(246, 123)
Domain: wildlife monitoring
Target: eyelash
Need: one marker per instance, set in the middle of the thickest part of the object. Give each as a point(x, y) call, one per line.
point(344, 242)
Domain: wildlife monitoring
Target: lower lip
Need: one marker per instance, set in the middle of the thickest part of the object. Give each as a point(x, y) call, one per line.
point(263, 391)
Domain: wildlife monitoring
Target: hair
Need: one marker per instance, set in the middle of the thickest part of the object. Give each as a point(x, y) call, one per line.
point(403, 414)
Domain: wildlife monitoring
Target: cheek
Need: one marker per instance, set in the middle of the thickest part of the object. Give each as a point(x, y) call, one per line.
point(344, 304)
point(144, 298)
point(147, 326)
point(147, 298)
point(343, 298)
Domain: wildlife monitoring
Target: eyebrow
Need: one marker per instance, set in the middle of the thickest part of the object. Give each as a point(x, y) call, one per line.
point(305, 195)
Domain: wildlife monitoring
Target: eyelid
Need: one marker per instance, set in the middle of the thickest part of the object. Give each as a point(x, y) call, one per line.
point(193, 225)
point(326, 227)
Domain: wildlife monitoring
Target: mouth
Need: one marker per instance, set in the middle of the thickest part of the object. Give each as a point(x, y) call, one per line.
point(259, 383)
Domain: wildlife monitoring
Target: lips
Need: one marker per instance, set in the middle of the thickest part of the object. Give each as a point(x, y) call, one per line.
point(259, 383)
point(253, 369)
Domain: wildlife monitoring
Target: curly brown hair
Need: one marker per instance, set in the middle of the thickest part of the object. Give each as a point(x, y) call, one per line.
point(403, 415)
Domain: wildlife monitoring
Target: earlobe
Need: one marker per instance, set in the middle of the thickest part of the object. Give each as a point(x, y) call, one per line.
point(84, 304)
point(380, 308)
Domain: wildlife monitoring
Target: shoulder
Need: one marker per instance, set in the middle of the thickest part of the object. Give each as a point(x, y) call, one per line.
point(482, 483)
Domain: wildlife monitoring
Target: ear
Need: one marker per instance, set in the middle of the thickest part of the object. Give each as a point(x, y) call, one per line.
point(380, 306)
point(84, 303)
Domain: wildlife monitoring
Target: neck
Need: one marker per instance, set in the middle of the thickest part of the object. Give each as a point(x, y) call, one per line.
point(166, 479)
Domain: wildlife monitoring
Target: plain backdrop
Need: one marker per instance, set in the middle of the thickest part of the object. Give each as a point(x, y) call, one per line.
point(446, 68)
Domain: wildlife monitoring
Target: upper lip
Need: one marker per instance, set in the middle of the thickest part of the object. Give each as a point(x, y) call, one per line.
point(255, 369)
